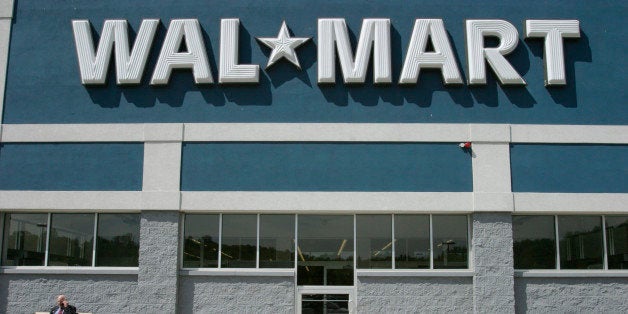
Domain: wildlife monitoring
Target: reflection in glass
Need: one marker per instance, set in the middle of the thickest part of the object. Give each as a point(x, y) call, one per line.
point(450, 241)
point(412, 241)
point(534, 242)
point(580, 242)
point(200, 241)
point(118, 240)
point(325, 250)
point(276, 241)
point(374, 241)
point(617, 241)
point(71, 240)
point(325, 303)
point(239, 241)
point(24, 239)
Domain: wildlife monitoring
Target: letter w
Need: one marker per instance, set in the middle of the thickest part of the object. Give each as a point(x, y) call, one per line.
point(94, 63)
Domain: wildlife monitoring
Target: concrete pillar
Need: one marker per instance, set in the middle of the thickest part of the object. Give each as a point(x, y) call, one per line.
point(493, 279)
point(157, 278)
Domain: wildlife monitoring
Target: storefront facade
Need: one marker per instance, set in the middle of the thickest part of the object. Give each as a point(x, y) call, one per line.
point(338, 157)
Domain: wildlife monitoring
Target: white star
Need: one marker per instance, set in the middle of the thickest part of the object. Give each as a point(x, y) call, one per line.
point(283, 46)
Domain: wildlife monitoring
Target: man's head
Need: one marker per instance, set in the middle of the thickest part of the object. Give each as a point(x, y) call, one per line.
point(62, 301)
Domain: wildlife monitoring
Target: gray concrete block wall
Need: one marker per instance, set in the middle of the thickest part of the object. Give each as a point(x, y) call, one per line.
point(213, 294)
point(414, 295)
point(571, 295)
point(30, 293)
point(158, 274)
point(493, 280)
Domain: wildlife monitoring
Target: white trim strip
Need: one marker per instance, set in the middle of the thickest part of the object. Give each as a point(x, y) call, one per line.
point(553, 273)
point(71, 201)
point(332, 202)
point(52, 270)
point(413, 273)
point(593, 134)
point(275, 272)
point(315, 132)
point(578, 203)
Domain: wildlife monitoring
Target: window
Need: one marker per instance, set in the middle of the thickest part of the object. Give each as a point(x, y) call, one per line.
point(239, 241)
point(576, 241)
point(617, 241)
point(325, 249)
point(24, 239)
point(412, 241)
point(276, 241)
point(374, 235)
point(534, 242)
point(450, 245)
point(200, 244)
point(326, 244)
point(118, 240)
point(68, 239)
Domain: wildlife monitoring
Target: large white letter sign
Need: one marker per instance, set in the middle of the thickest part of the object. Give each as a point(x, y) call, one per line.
point(333, 32)
point(442, 58)
point(230, 70)
point(93, 63)
point(195, 58)
point(554, 31)
point(477, 53)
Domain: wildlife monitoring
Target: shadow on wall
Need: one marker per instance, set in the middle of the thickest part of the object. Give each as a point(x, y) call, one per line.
point(421, 94)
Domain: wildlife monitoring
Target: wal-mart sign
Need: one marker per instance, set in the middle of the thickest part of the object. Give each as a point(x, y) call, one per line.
point(333, 44)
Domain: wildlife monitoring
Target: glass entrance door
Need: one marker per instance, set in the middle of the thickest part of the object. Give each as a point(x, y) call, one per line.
point(325, 300)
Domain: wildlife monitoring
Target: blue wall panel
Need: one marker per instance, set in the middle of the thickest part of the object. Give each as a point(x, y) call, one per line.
point(43, 84)
point(325, 167)
point(569, 168)
point(64, 166)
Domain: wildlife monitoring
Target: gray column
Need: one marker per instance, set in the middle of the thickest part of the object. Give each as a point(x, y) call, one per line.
point(493, 280)
point(157, 279)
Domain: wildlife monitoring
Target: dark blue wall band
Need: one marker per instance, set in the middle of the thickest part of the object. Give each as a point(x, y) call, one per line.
point(72, 167)
point(43, 83)
point(569, 168)
point(325, 167)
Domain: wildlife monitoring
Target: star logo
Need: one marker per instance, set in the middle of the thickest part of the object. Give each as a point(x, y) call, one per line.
point(283, 46)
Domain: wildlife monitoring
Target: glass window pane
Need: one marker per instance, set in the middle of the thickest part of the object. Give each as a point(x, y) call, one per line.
point(534, 242)
point(118, 240)
point(617, 241)
point(276, 241)
point(239, 241)
point(24, 239)
point(580, 242)
point(412, 241)
point(200, 241)
point(450, 241)
point(374, 241)
point(325, 250)
point(71, 240)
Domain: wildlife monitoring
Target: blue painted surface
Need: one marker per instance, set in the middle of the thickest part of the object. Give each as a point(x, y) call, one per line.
point(325, 167)
point(569, 168)
point(71, 167)
point(43, 84)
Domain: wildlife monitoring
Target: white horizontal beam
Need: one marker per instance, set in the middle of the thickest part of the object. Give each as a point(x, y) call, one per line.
point(564, 273)
point(73, 270)
point(315, 132)
point(577, 203)
point(413, 273)
point(81, 201)
point(251, 272)
point(328, 202)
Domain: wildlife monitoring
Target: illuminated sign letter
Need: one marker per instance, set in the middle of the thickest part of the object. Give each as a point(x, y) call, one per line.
point(93, 63)
point(230, 70)
point(194, 58)
point(333, 32)
point(477, 53)
point(554, 31)
point(442, 58)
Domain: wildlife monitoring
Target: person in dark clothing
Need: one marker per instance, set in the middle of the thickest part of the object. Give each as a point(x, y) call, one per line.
point(63, 307)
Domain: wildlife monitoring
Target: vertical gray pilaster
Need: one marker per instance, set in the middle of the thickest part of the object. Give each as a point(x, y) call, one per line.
point(493, 281)
point(157, 279)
